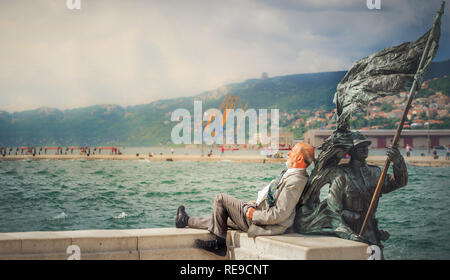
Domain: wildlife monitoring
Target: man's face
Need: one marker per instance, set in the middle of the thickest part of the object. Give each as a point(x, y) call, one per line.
point(289, 161)
point(361, 152)
point(292, 155)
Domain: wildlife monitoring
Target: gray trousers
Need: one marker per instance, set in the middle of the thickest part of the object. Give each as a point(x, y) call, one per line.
point(227, 212)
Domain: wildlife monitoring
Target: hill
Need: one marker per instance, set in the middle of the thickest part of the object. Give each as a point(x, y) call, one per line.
point(149, 124)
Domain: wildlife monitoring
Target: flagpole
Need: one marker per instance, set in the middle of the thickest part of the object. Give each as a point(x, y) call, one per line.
point(417, 79)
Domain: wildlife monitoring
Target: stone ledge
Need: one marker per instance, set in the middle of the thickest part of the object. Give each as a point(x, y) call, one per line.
point(296, 246)
point(178, 254)
point(172, 244)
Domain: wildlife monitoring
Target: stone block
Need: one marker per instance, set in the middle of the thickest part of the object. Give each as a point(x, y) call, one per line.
point(246, 254)
point(39, 256)
point(168, 238)
point(41, 242)
point(118, 255)
point(9, 244)
point(297, 246)
point(91, 241)
point(178, 254)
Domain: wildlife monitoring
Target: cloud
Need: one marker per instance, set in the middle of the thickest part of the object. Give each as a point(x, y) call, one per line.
point(133, 52)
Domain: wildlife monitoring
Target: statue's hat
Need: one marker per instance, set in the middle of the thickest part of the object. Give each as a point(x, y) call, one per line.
point(358, 139)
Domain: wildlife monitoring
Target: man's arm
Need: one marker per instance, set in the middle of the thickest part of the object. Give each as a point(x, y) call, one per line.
point(284, 205)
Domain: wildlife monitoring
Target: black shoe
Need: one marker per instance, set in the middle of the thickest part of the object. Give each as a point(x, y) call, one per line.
point(217, 246)
point(182, 218)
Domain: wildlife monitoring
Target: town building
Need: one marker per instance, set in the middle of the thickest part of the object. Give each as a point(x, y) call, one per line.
point(382, 138)
point(285, 138)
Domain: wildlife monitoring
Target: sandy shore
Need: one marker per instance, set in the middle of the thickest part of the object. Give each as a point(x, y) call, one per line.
point(376, 160)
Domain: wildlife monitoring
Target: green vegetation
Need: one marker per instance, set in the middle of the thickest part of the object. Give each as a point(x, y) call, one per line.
point(362, 122)
point(386, 107)
point(442, 85)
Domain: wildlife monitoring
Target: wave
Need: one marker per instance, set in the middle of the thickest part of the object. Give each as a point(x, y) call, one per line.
point(124, 215)
point(169, 182)
point(60, 216)
point(268, 179)
point(194, 201)
point(11, 172)
point(121, 215)
point(170, 194)
point(157, 194)
point(187, 192)
point(61, 171)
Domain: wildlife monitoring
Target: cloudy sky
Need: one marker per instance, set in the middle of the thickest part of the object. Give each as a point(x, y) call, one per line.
point(137, 51)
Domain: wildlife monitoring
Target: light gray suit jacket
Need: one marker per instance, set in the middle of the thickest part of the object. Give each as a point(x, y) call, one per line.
point(280, 217)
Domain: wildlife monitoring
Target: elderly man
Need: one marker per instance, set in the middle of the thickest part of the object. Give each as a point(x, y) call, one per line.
point(273, 213)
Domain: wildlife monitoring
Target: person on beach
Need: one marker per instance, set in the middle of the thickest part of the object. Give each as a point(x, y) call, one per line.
point(408, 150)
point(435, 155)
point(447, 154)
point(271, 214)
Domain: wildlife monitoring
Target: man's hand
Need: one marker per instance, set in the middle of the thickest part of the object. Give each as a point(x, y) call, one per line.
point(394, 155)
point(249, 213)
point(251, 203)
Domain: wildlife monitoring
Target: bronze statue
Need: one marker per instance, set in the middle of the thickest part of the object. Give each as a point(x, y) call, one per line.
point(349, 209)
point(351, 188)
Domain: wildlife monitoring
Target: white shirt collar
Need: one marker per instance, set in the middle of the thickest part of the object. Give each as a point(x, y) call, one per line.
point(290, 170)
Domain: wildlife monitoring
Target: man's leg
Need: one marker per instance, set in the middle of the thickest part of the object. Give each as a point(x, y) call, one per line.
point(200, 223)
point(227, 211)
point(227, 207)
point(182, 220)
point(205, 223)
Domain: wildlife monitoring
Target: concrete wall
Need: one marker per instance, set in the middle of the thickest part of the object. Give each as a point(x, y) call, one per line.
point(170, 244)
point(419, 136)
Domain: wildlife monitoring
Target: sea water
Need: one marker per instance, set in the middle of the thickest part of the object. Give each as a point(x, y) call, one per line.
point(54, 195)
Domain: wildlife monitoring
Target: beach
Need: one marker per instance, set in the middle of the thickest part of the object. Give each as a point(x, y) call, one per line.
point(372, 159)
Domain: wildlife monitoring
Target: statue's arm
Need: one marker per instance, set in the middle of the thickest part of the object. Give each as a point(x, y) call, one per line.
point(400, 177)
